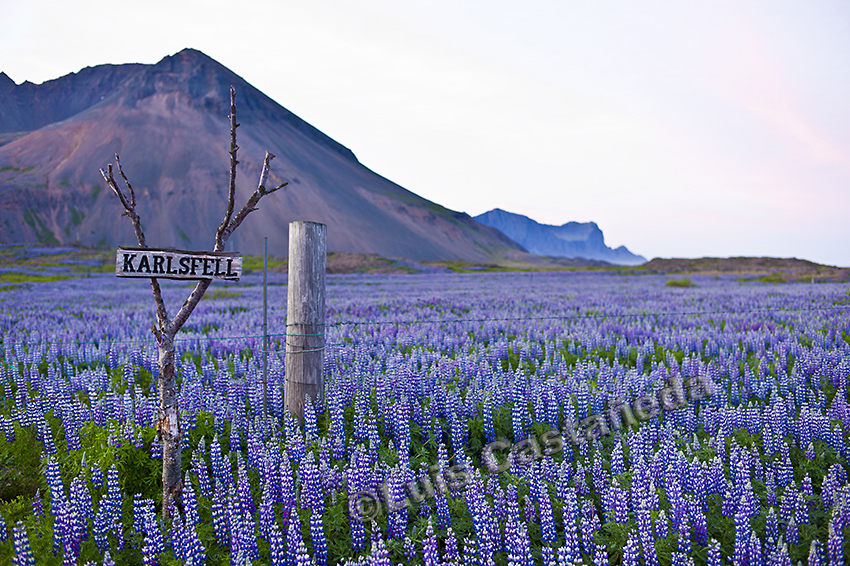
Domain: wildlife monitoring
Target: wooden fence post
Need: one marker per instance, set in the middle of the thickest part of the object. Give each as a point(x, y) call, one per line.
point(305, 314)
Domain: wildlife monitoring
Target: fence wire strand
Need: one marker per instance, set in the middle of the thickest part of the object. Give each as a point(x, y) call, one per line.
point(151, 340)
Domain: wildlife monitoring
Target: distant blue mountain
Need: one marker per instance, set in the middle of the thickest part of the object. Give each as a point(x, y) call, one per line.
point(573, 239)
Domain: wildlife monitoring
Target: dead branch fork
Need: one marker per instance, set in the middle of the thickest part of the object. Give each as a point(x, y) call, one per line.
point(228, 225)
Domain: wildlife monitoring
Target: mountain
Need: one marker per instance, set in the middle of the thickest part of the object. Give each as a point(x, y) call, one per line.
point(573, 239)
point(169, 123)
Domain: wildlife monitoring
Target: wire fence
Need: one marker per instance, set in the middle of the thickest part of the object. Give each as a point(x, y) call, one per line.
point(577, 316)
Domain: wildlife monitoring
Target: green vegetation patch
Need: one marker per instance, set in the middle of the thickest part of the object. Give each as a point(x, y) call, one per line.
point(29, 278)
point(252, 263)
point(217, 294)
point(683, 282)
point(42, 232)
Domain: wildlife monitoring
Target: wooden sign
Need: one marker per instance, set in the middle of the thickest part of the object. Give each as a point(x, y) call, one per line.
point(177, 264)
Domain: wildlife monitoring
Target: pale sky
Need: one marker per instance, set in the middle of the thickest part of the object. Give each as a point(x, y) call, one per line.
point(684, 129)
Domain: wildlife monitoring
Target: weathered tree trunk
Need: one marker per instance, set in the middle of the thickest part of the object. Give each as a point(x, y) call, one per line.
point(168, 421)
point(168, 427)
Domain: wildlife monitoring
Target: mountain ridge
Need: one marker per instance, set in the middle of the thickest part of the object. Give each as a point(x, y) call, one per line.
point(168, 121)
point(572, 239)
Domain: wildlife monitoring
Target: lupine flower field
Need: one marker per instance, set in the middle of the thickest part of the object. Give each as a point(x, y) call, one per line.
point(422, 372)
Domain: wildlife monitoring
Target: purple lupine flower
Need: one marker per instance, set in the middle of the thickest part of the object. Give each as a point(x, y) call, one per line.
point(684, 539)
point(517, 544)
point(38, 505)
point(430, 552)
point(294, 539)
point(815, 556)
point(54, 483)
point(570, 517)
point(831, 483)
point(380, 556)
point(267, 512)
point(783, 468)
point(337, 427)
point(547, 518)
point(234, 523)
point(302, 557)
point(277, 550)
point(190, 504)
point(396, 503)
point(547, 555)
point(410, 549)
point(700, 522)
point(617, 464)
point(650, 556)
point(287, 488)
point(23, 552)
point(317, 537)
point(356, 483)
point(219, 512)
point(443, 517)
point(81, 502)
point(742, 537)
point(589, 525)
point(771, 527)
point(749, 503)
point(792, 533)
point(248, 536)
point(100, 530)
point(193, 549)
point(153, 544)
point(600, 557)
point(529, 510)
point(470, 555)
point(580, 480)
point(177, 538)
point(221, 466)
point(631, 551)
point(834, 544)
point(810, 451)
point(312, 494)
point(483, 521)
point(714, 557)
point(246, 498)
point(662, 527)
point(138, 514)
point(199, 468)
point(781, 557)
point(235, 440)
point(489, 430)
point(310, 420)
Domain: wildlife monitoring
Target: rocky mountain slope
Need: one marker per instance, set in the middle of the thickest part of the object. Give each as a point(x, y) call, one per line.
point(169, 124)
point(573, 239)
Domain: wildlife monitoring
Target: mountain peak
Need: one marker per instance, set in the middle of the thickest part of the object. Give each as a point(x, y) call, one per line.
point(189, 56)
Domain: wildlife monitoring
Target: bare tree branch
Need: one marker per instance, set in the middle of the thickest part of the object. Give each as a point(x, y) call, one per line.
point(130, 212)
point(126, 182)
point(231, 195)
point(250, 205)
point(264, 174)
point(189, 305)
point(129, 206)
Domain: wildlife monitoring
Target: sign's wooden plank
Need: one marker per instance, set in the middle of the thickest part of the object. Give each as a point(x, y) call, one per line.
point(177, 264)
